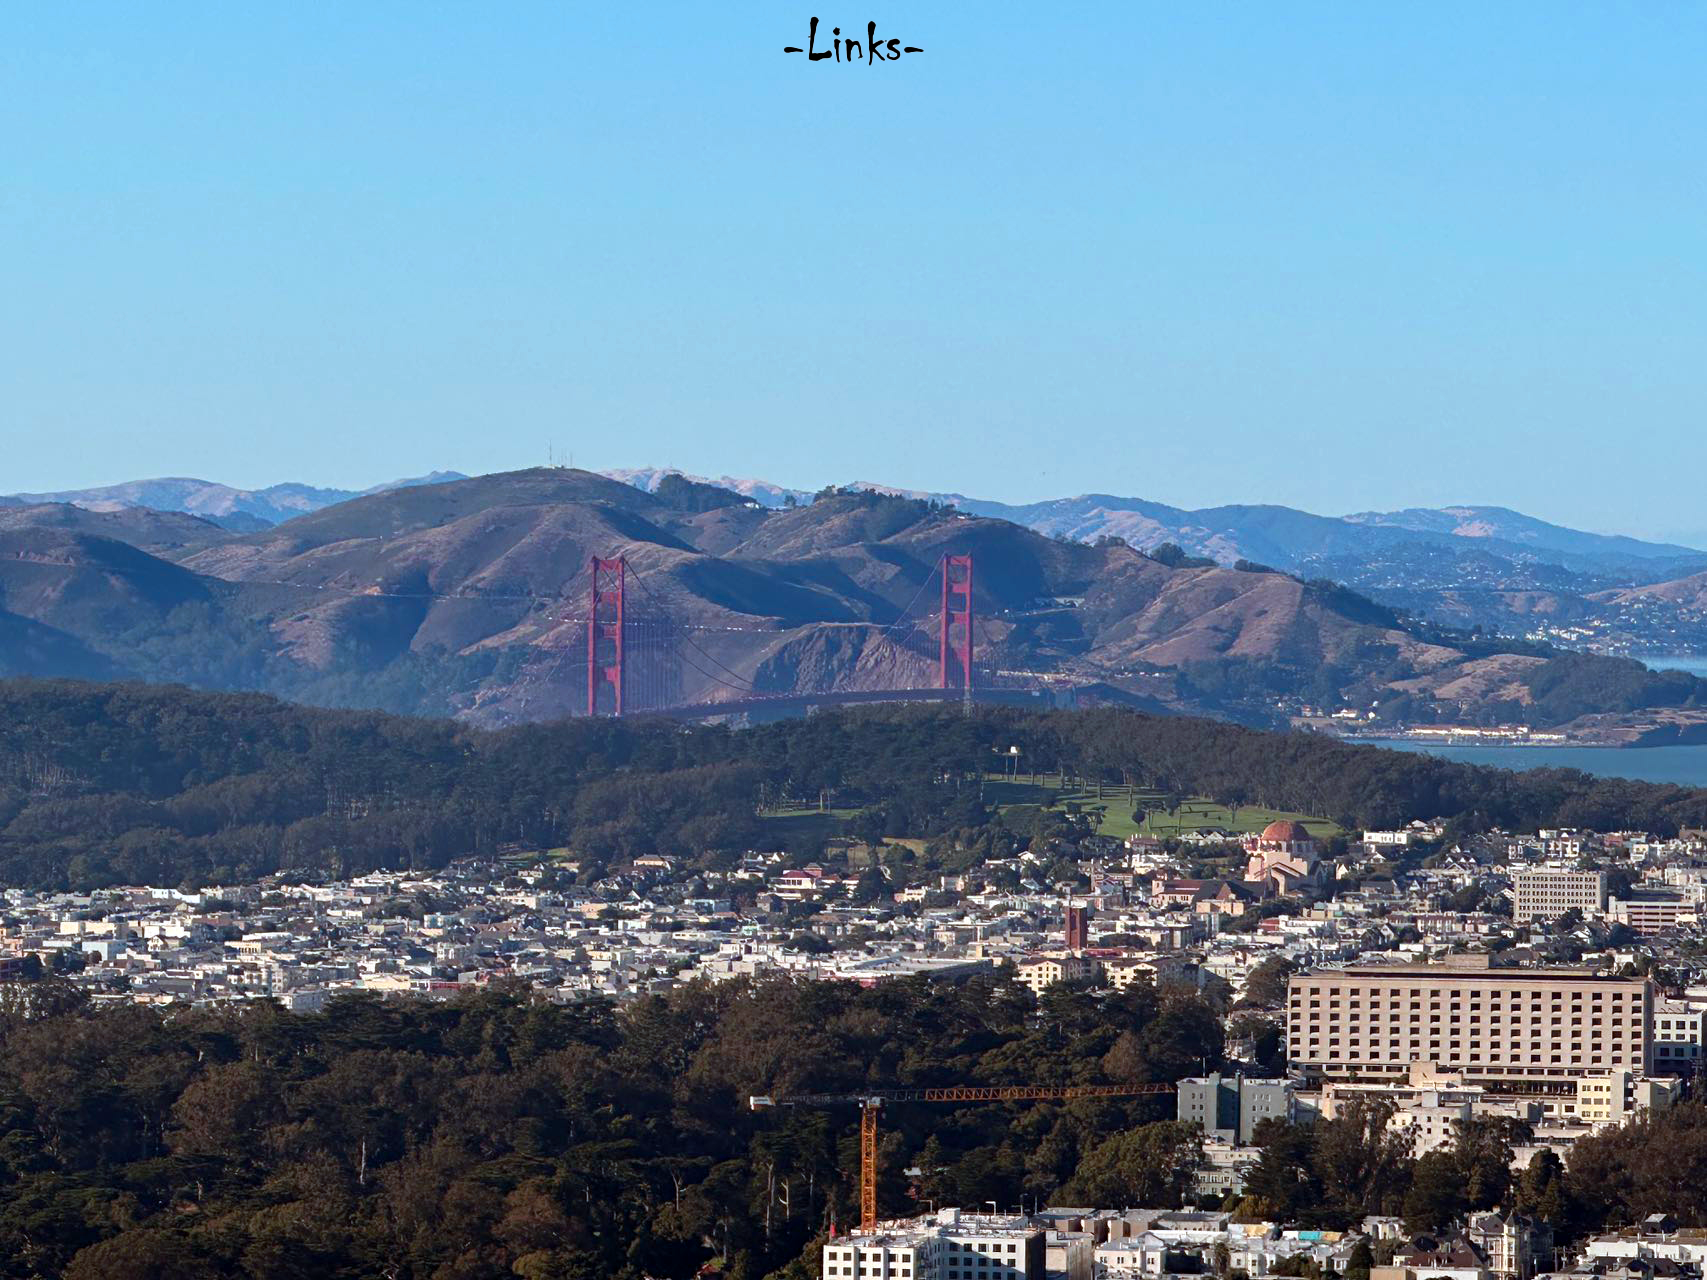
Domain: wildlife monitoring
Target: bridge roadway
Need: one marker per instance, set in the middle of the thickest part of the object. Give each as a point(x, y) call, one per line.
point(781, 706)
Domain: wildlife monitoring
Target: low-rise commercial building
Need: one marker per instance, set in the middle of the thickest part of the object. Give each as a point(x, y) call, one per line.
point(1652, 913)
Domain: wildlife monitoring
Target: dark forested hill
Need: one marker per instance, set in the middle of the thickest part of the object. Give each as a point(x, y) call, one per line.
point(103, 784)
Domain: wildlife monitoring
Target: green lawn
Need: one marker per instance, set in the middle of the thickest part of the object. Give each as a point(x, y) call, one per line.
point(813, 823)
point(1206, 813)
point(1116, 804)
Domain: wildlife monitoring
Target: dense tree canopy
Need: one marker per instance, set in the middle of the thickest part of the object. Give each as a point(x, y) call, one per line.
point(1335, 1173)
point(103, 784)
point(499, 1136)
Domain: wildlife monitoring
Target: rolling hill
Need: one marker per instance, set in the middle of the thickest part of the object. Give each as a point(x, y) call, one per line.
point(1291, 539)
point(1687, 593)
point(467, 597)
point(1468, 567)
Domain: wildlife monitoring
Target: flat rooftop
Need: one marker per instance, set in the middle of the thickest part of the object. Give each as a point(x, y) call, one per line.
point(1475, 966)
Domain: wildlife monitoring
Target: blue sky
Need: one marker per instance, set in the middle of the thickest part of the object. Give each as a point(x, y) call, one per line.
point(1337, 256)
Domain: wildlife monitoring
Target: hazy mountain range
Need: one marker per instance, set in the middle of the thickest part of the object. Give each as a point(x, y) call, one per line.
point(1467, 566)
point(243, 510)
point(1282, 537)
point(466, 597)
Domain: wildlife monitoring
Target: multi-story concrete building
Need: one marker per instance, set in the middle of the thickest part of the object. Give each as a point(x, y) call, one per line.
point(1433, 1118)
point(1042, 972)
point(913, 1254)
point(1651, 913)
point(1617, 1096)
point(952, 1245)
point(1371, 1022)
point(1678, 1032)
point(1431, 1102)
point(1546, 893)
point(1229, 1108)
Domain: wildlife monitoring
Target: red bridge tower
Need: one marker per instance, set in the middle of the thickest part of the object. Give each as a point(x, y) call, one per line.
point(606, 606)
point(956, 635)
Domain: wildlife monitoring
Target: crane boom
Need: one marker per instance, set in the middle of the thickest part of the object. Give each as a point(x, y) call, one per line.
point(961, 1093)
point(871, 1101)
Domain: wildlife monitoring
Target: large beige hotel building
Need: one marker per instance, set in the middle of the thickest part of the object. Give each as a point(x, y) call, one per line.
point(1371, 1022)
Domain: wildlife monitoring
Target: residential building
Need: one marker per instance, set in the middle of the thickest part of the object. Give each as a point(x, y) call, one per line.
point(1450, 1260)
point(1679, 1029)
point(951, 1245)
point(1389, 839)
point(1516, 1246)
point(1042, 972)
point(1229, 1108)
point(1655, 1239)
point(1546, 893)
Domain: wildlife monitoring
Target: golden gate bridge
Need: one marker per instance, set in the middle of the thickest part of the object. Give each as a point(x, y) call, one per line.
point(638, 658)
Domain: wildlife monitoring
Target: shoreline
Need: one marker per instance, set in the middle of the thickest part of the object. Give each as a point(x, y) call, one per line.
point(1675, 763)
point(1568, 744)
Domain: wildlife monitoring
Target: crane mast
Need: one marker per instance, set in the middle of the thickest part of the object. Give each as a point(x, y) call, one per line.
point(870, 1103)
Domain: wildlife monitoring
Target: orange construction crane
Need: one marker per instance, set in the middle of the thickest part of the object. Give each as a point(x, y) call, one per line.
point(871, 1103)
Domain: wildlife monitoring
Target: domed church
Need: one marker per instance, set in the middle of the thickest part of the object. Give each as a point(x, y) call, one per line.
point(1282, 858)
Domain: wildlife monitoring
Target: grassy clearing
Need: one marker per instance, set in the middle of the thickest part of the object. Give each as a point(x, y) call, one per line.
point(807, 824)
point(1116, 804)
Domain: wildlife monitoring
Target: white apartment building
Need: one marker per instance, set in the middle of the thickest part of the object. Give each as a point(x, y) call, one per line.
point(1546, 893)
point(907, 1254)
point(1140, 1257)
point(1679, 1029)
point(951, 1245)
point(1400, 839)
point(1433, 1118)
